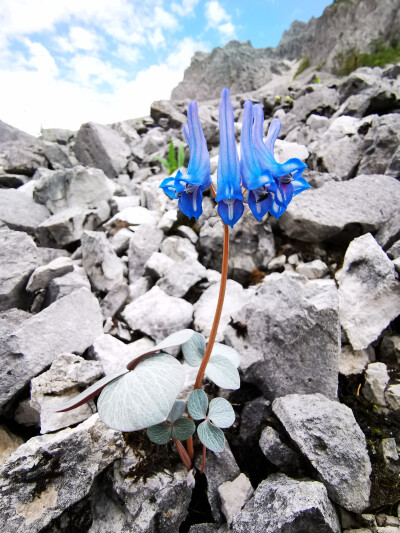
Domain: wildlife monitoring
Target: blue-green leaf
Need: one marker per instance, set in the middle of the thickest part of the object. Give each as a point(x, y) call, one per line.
point(221, 413)
point(211, 436)
point(228, 352)
point(183, 429)
point(143, 397)
point(198, 404)
point(160, 433)
point(193, 349)
point(179, 337)
point(177, 411)
point(223, 373)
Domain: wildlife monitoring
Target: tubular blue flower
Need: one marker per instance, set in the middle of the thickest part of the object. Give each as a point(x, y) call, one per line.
point(288, 175)
point(260, 184)
point(189, 188)
point(229, 196)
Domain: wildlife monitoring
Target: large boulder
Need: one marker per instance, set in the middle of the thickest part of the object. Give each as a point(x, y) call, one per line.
point(288, 336)
point(20, 212)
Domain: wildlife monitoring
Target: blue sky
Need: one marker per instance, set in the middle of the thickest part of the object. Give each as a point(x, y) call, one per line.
point(64, 62)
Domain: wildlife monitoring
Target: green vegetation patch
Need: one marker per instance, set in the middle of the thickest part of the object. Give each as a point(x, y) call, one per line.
point(381, 54)
point(304, 64)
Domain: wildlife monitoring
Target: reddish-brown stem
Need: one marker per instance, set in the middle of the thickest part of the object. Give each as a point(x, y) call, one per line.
point(190, 448)
point(203, 460)
point(218, 311)
point(213, 191)
point(183, 454)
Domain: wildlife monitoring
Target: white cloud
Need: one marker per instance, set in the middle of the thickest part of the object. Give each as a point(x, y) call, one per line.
point(219, 19)
point(31, 99)
point(157, 39)
point(128, 53)
point(89, 71)
point(41, 60)
point(82, 39)
point(185, 8)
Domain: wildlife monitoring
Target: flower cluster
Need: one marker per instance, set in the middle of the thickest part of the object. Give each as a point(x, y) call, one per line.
point(270, 185)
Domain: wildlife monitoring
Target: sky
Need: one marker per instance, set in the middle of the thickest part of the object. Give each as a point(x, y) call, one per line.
point(66, 62)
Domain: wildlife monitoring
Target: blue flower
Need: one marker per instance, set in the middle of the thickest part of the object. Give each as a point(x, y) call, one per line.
point(188, 188)
point(288, 175)
point(229, 196)
point(260, 184)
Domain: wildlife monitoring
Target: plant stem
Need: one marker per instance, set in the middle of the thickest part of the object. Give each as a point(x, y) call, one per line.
point(183, 454)
point(218, 311)
point(203, 460)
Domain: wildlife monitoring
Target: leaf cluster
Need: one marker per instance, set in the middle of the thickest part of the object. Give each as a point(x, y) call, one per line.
point(173, 163)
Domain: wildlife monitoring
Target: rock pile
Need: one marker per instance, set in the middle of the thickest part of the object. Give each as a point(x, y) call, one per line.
point(97, 265)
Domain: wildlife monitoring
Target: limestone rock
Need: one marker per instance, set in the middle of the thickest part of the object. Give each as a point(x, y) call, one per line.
point(343, 210)
point(114, 355)
point(380, 144)
point(42, 275)
point(114, 300)
point(288, 336)
point(8, 443)
point(68, 375)
point(181, 276)
point(354, 361)
point(178, 248)
point(369, 293)
point(235, 298)
point(75, 187)
point(69, 325)
point(18, 257)
point(328, 435)
point(151, 314)
point(376, 380)
point(144, 242)
point(234, 495)
point(67, 284)
point(392, 397)
point(276, 451)
point(100, 146)
point(19, 211)
point(284, 504)
point(313, 270)
point(101, 263)
point(48, 474)
point(22, 157)
point(133, 216)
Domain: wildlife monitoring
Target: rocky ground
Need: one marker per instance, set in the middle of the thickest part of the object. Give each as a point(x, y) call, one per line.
point(97, 265)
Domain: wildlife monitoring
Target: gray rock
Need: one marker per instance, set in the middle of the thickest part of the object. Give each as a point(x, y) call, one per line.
point(69, 325)
point(47, 255)
point(354, 361)
point(339, 156)
point(133, 216)
point(42, 275)
point(168, 220)
point(19, 211)
point(343, 210)
point(320, 101)
point(10, 320)
point(10, 133)
point(114, 300)
point(293, 316)
point(166, 109)
point(235, 298)
point(234, 495)
point(99, 146)
point(380, 144)
point(48, 474)
point(284, 504)
point(389, 349)
point(22, 157)
point(58, 157)
point(151, 314)
point(144, 242)
point(8, 443)
point(328, 435)
point(356, 105)
point(120, 240)
point(75, 187)
point(368, 291)
point(68, 375)
point(186, 231)
point(313, 270)
point(178, 248)
point(393, 168)
point(12, 180)
point(119, 203)
point(252, 416)
point(18, 257)
point(392, 397)
point(158, 265)
point(58, 135)
point(182, 276)
point(276, 451)
point(101, 263)
point(376, 380)
point(114, 355)
point(67, 284)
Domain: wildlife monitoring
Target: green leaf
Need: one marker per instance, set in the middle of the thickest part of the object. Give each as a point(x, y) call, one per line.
point(160, 433)
point(143, 397)
point(181, 156)
point(193, 350)
point(89, 393)
point(177, 411)
point(162, 161)
point(183, 429)
point(198, 404)
point(221, 413)
point(171, 158)
point(227, 352)
point(179, 337)
point(223, 373)
point(211, 436)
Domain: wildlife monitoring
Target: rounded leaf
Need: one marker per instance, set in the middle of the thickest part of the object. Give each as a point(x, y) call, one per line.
point(160, 433)
point(143, 397)
point(179, 337)
point(223, 373)
point(177, 411)
point(211, 436)
point(226, 351)
point(221, 413)
point(183, 429)
point(198, 404)
point(193, 350)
